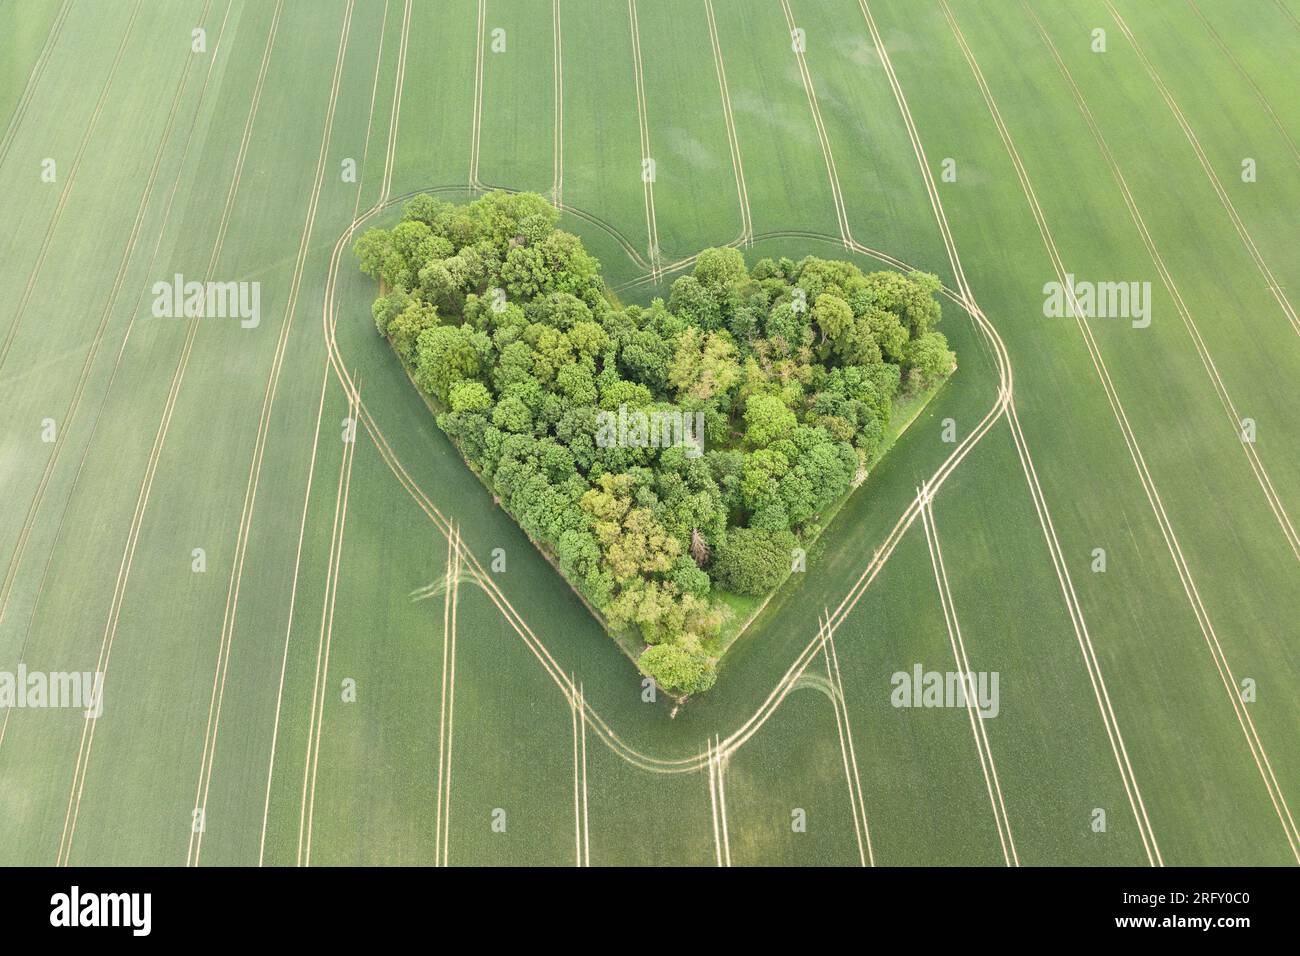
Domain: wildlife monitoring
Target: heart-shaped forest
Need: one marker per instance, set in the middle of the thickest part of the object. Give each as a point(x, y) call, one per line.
point(676, 461)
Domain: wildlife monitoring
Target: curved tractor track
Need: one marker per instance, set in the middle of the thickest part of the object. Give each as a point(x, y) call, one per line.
point(567, 684)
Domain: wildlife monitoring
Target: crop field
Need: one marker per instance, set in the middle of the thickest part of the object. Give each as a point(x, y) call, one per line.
point(320, 641)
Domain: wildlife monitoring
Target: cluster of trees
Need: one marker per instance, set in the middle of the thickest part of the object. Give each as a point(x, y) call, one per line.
point(793, 366)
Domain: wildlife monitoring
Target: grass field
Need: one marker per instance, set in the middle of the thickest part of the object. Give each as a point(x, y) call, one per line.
point(346, 680)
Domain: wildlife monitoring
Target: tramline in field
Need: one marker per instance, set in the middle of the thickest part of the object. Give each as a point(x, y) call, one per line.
point(319, 639)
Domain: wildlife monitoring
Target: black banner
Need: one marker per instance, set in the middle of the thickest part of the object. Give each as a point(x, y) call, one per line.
point(223, 905)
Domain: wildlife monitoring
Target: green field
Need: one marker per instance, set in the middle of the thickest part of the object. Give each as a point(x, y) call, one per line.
point(347, 681)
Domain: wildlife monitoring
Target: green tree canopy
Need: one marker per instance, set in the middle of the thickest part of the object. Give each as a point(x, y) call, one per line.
point(662, 454)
